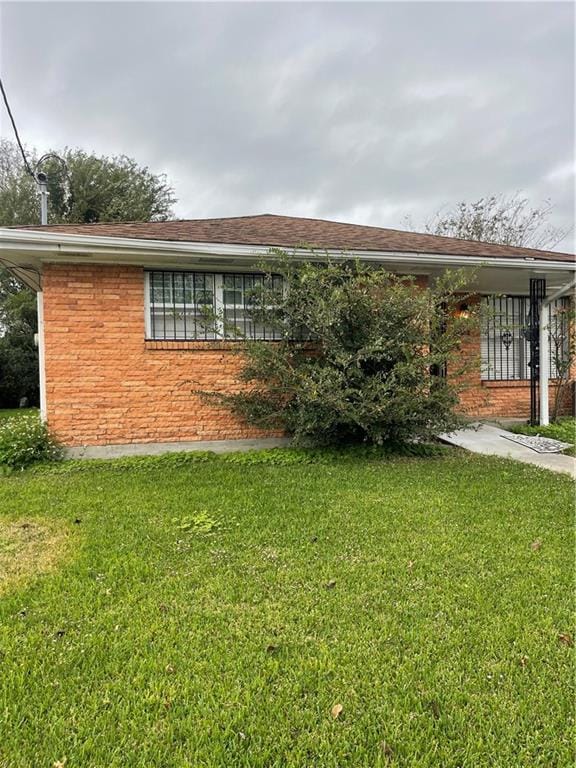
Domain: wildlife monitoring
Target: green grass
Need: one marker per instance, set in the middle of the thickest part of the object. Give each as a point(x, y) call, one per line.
point(7, 413)
point(564, 430)
point(213, 613)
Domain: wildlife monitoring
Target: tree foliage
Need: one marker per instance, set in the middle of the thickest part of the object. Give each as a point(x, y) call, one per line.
point(503, 219)
point(357, 357)
point(89, 189)
point(18, 352)
point(92, 189)
point(18, 195)
point(563, 352)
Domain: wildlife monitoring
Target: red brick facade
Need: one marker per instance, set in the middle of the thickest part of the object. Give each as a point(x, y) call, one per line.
point(499, 399)
point(504, 399)
point(105, 384)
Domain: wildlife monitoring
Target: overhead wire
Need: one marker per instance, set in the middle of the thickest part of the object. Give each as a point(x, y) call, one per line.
point(16, 134)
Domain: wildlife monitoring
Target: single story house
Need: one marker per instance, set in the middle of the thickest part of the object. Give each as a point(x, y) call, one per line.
point(122, 345)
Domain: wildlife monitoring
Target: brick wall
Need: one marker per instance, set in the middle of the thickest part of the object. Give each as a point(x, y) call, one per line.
point(500, 399)
point(106, 384)
point(505, 399)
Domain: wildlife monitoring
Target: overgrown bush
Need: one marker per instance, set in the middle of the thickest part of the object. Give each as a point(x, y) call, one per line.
point(360, 355)
point(25, 440)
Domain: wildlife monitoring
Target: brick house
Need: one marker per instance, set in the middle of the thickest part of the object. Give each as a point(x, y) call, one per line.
point(122, 345)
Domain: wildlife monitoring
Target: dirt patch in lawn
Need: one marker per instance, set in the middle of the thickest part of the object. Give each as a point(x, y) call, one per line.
point(29, 547)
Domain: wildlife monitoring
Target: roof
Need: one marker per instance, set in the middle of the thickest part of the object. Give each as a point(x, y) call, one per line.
point(291, 232)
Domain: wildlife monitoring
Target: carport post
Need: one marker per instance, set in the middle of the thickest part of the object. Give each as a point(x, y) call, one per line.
point(544, 370)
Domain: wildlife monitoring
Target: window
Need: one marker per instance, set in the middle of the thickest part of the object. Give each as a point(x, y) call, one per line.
point(504, 348)
point(203, 306)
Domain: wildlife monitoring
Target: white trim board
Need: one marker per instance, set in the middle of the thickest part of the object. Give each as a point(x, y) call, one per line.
point(49, 246)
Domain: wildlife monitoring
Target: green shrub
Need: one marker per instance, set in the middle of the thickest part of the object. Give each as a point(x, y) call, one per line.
point(25, 440)
point(359, 356)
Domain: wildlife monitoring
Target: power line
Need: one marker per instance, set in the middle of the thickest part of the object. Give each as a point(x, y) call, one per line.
point(39, 177)
point(5, 97)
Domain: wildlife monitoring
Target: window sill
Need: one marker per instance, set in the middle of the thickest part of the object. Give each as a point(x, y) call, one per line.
point(172, 345)
point(503, 384)
point(183, 346)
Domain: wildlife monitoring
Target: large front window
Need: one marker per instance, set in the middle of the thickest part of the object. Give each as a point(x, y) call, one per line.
point(504, 344)
point(204, 306)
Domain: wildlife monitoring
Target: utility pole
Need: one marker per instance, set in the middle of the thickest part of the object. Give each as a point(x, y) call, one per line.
point(42, 180)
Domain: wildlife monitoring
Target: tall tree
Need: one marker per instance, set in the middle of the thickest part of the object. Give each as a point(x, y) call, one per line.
point(91, 189)
point(86, 188)
point(504, 219)
point(18, 352)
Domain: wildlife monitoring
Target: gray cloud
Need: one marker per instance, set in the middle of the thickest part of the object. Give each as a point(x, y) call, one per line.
point(360, 112)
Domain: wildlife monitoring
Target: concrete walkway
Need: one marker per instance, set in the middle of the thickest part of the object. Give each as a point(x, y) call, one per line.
point(487, 439)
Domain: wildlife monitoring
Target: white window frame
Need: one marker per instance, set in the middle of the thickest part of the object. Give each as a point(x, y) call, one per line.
point(219, 306)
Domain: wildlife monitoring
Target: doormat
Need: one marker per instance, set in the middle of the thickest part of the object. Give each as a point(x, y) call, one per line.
point(537, 443)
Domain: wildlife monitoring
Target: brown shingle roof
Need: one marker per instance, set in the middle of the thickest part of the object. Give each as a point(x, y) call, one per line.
point(289, 231)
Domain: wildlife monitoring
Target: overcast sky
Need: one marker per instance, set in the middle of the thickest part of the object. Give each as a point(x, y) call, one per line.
point(358, 112)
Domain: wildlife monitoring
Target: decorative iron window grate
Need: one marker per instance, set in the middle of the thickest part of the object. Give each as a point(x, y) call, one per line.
point(205, 306)
point(504, 340)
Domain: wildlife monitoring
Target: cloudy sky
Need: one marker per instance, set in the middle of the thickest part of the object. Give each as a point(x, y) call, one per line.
point(362, 112)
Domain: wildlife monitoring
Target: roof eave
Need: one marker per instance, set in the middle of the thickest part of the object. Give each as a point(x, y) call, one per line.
point(52, 246)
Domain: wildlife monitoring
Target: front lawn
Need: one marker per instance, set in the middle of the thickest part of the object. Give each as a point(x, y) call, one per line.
point(356, 612)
